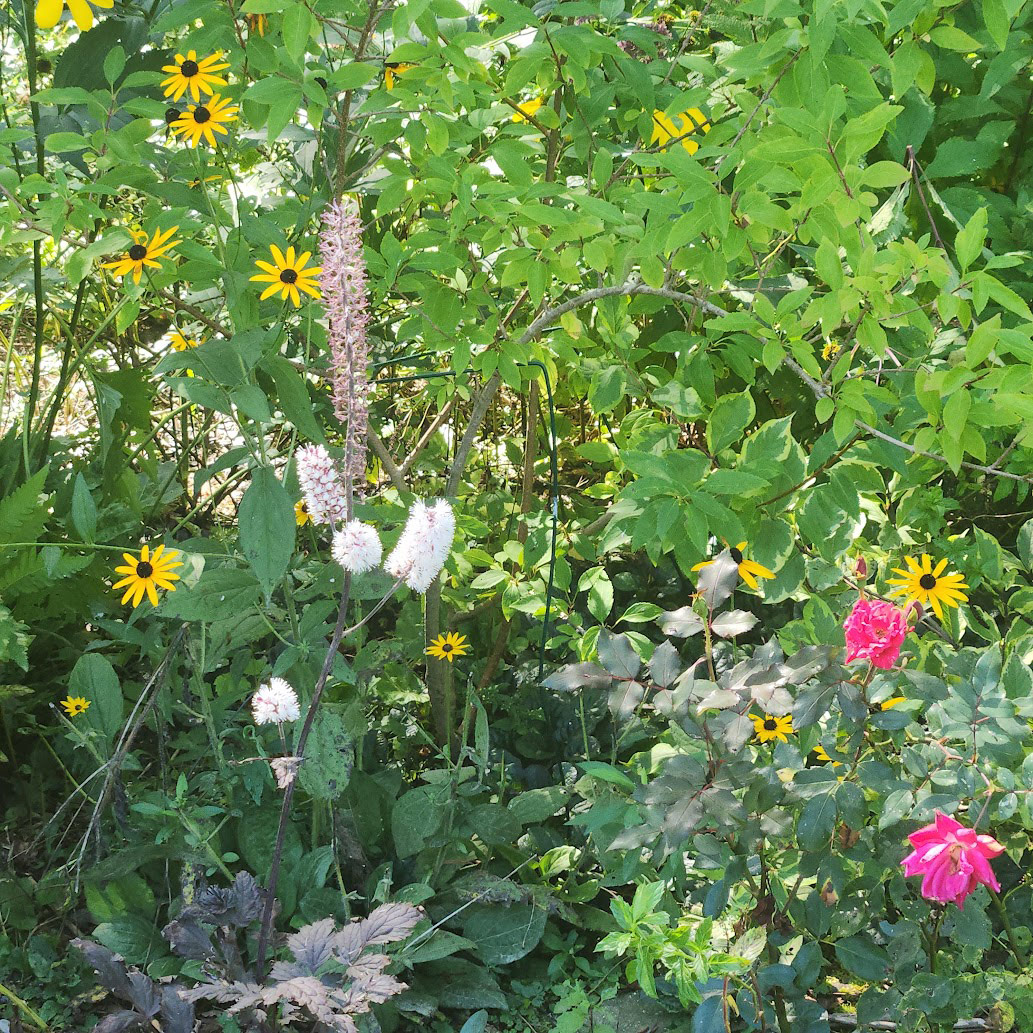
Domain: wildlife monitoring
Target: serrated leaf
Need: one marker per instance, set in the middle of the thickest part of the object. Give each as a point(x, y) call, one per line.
point(681, 623)
point(665, 664)
point(578, 676)
point(267, 527)
point(617, 655)
point(717, 580)
point(733, 622)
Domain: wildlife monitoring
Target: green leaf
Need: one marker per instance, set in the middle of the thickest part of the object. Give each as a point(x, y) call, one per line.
point(329, 756)
point(353, 75)
point(861, 957)
point(969, 241)
point(817, 823)
point(416, 816)
point(596, 582)
point(114, 64)
point(220, 593)
point(493, 824)
point(297, 26)
point(729, 419)
point(607, 388)
point(267, 527)
point(995, 17)
point(982, 341)
point(84, 509)
point(440, 944)
point(292, 393)
point(536, 805)
point(94, 679)
point(504, 934)
point(23, 513)
point(952, 38)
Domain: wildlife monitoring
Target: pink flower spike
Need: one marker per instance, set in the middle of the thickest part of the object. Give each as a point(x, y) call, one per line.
point(343, 285)
point(875, 631)
point(952, 859)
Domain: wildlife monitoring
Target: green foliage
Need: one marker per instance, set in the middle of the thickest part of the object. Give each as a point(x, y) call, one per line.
point(805, 327)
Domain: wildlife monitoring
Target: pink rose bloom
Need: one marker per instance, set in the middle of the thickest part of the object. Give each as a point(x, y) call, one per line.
point(875, 631)
point(953, 859)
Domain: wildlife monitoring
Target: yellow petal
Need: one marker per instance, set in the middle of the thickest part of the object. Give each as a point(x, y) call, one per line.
point(82, 13)
point(48, 13)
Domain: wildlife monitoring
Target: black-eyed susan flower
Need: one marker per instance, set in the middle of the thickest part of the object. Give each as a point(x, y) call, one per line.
point(180, 343)
point(75, 705)
point(526, 111)
point(923, 583)
point(749, 570)
point(257, 23)
point(196, 76)
point(683, 128)
point(143, 253)
point(205, 120)
point(48, 12)
point(288, 275)
point(301, 514)
point(394, 70)
point(819, 755)
point(768, 728)
point(830, 351)
point(146, 573)
point(197, 181)
point(172, 114)
point(448, 647)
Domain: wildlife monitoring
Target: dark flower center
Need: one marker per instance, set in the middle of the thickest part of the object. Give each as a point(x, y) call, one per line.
point(736, 555)
point(171, 115)
point(770, 724)
point(188, 69)
point(447, 647)
point(288, 276)
point(201, 115)
point(144, 569)
point(137, 252)
point(927, 581)
point(43, 66)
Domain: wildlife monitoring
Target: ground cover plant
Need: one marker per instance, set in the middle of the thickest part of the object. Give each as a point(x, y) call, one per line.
point(515, 516)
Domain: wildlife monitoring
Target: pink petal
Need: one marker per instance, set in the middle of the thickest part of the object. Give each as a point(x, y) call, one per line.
point(945, 824)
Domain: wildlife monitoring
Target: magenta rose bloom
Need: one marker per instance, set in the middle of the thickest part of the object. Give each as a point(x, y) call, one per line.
point(875, 631)
point(953, 859)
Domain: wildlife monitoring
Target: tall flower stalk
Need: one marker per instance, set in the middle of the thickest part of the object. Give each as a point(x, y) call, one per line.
point(343, 287)
point(343, 283)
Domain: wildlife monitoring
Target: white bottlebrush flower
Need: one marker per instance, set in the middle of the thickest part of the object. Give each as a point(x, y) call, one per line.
point(424, 545)
point(357, 547)
point(321, 483)
point(275, 702)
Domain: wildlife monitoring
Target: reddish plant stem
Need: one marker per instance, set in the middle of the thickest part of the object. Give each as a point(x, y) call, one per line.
point(288, 793)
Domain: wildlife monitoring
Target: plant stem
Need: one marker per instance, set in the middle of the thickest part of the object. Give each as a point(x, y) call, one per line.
point(12, 996)
point(1002, 911)
point(584, 724)
point(288, 793)
point(28, 11)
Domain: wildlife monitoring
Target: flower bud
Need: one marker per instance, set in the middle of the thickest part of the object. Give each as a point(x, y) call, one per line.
point(913, 611)
point(861, 569)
